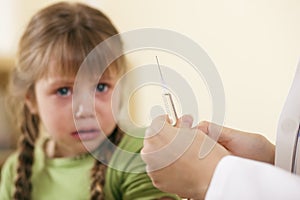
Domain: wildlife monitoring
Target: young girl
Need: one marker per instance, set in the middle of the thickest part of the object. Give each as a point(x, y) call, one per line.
point(53, 159)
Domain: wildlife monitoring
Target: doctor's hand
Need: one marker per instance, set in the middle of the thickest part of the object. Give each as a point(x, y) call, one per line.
point(172, 158)
point(243, 144)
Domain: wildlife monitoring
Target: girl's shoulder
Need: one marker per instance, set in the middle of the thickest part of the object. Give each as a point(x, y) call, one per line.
point(126, 176)
point(8, 173)
point(10, 163)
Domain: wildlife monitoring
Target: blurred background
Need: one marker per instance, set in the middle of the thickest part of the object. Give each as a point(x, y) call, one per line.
point(255, 45)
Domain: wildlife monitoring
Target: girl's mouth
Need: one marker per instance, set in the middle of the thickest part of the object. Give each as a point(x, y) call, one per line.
point(86, 134)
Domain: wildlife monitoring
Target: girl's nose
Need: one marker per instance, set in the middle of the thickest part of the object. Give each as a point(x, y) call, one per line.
point(84, 111)
point(83, 106)
point(79, 111)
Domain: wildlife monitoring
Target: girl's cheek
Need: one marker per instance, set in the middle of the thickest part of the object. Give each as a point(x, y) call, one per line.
point(103, 97)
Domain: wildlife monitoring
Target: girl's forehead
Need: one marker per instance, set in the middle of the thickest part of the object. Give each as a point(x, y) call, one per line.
point(69, 71)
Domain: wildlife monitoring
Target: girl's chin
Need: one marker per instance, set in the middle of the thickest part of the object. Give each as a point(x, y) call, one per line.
point(91, 145)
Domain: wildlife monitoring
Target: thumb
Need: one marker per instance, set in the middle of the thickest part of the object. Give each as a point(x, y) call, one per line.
point(215, 131)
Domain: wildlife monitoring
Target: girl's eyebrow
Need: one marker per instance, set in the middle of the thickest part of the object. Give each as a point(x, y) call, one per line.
point(105, 79)
point(106, 76)
point(57, 82)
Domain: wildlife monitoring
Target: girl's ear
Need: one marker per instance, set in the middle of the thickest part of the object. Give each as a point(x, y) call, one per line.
point(31, 103)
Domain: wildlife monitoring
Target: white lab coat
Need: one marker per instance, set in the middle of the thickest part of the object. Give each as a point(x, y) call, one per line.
point(239, 178)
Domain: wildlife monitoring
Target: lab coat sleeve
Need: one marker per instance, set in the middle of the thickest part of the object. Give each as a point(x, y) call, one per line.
point(239, 178)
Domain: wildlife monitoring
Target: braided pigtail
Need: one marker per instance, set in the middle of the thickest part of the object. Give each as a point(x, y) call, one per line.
point(30, 129)
point(98, 180)
point(99, 169)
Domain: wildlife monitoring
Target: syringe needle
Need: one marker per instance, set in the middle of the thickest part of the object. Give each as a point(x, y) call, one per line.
point(167, 97)
point(161, 76)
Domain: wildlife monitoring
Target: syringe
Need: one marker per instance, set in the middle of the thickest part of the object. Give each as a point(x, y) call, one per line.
point(167, 98)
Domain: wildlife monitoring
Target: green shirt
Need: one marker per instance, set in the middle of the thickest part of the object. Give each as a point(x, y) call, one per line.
point(69, 178)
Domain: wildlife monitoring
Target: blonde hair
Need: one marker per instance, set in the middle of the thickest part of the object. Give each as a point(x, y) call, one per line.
point(66, 33)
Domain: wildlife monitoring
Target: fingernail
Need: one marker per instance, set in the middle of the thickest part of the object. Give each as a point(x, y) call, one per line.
point(187, 121)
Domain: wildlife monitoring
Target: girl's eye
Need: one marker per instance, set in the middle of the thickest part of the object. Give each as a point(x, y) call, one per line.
point(64, 91)
point(101, 87)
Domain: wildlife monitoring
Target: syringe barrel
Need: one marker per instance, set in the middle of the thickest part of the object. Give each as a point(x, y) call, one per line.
point(170, 108)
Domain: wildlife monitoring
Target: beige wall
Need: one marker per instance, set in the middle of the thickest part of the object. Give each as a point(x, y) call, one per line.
point(254, 43)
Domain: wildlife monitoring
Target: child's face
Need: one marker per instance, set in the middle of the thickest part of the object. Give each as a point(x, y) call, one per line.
point(54, 106)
